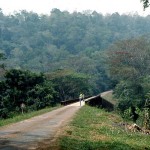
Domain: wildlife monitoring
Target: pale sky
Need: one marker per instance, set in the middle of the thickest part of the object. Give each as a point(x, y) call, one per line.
point(101, 6)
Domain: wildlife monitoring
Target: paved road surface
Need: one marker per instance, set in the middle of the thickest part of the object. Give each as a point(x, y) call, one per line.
point(26, 134)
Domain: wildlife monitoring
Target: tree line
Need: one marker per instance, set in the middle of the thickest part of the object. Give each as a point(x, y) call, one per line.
point(37, 91)
point(63, 40)
point(74, 52)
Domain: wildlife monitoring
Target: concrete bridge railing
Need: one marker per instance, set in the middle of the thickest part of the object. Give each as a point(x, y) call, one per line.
point(96, 101)
point(100, 102)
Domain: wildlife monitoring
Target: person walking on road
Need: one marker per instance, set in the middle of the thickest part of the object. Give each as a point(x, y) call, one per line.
point(83, 97)
point(80, 98)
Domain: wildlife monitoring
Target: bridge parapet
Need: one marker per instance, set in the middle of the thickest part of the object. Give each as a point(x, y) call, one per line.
point(67, 102)
point(100, 102)
point(95, 101)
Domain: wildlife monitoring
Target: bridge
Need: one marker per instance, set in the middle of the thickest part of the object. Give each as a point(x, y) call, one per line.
point(96, 101)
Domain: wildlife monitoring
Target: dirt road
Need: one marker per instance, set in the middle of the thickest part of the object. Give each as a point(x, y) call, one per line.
point(26, 135)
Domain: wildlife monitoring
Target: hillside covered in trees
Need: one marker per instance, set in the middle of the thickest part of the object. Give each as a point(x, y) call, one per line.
point(72, 50)
point(65, 40)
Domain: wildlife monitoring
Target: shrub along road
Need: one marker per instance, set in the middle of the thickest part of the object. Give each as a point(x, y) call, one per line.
point(28, 133)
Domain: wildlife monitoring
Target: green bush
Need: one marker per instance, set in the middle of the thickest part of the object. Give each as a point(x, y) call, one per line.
point(24, 87)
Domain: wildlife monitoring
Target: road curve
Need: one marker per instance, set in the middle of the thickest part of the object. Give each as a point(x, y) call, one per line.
point(26, 135)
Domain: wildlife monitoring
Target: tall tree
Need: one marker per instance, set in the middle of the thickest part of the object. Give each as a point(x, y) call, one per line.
point(24, 87)
point(69, 84)
point(129, 64)
point(145, 3)
point(130, 59)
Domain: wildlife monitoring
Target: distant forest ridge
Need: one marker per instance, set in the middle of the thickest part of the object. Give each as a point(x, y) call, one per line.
point(67, 41)
point(48, 42)
point(76, 52)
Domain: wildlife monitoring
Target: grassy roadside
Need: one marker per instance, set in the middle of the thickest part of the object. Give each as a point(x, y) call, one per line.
point(96, 129)
point(21, 117)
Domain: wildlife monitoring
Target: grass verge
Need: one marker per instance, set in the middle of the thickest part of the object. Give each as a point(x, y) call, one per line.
point(24, 116)
point(96, 129)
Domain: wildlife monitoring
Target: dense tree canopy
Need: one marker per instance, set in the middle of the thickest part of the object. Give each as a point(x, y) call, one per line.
point(129, 65)
point(38, 91)
point(70, 49)
point(69, 84)
point(24, 87)
point(63, 40)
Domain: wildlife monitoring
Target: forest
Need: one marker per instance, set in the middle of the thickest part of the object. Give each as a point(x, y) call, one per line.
point(45, 59)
